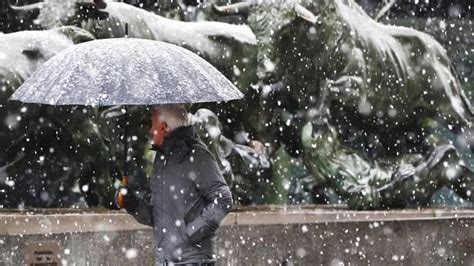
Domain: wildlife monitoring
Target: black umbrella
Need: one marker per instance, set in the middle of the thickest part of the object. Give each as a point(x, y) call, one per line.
point(126, 71)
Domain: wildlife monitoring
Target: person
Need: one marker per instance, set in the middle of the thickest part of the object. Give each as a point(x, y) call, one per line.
point(189, 196)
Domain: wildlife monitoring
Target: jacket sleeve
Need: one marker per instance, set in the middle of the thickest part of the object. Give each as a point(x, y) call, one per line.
point(212, 186)
point(143, 211)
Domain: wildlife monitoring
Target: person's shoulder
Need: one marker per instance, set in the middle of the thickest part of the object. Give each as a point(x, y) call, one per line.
point(200, 151)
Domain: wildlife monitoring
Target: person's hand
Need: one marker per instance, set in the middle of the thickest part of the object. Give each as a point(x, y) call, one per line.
point(130, 200)
point(258, 147)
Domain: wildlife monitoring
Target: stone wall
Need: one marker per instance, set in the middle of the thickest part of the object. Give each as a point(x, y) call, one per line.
point(305, 235)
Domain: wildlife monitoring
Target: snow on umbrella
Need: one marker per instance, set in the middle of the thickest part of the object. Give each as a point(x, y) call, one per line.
point(126, 71)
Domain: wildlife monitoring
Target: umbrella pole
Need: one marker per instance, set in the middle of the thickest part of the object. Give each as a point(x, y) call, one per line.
point(125, 140)
point(124, 181)
point(125, 144)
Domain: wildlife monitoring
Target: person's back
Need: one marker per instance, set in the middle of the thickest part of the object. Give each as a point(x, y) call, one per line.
point(189, 196)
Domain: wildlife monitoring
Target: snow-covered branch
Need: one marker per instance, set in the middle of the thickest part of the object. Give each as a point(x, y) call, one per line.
point(388, 5)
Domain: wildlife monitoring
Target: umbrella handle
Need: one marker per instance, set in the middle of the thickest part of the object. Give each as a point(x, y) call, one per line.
point(120, 198)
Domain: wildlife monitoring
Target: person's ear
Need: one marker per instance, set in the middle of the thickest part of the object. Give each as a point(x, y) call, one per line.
point(164, 127)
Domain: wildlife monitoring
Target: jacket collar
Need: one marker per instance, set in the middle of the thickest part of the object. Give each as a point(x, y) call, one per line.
point(178, 141)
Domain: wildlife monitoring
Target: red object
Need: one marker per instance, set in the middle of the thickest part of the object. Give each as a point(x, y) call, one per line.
point(120, 199)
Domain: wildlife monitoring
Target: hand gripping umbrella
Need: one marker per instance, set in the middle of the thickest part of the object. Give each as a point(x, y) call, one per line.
point(125, 71)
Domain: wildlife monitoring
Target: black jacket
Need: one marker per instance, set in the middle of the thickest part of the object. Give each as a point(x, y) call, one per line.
point(189, 198)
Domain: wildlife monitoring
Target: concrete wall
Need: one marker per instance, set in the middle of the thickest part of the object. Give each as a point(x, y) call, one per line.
point(262, 236)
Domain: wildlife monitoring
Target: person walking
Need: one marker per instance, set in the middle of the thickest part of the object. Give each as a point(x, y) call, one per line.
point(189, 196)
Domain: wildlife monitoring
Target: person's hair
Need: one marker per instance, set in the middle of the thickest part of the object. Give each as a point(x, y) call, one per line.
point(175, 115)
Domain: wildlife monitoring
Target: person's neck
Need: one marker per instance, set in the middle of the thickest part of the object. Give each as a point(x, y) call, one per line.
point(181, 133)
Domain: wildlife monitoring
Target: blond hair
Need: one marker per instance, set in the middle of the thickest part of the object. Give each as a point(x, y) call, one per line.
point(175, 115)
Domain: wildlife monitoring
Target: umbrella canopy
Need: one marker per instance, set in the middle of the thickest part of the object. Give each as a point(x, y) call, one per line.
point(126, 71)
